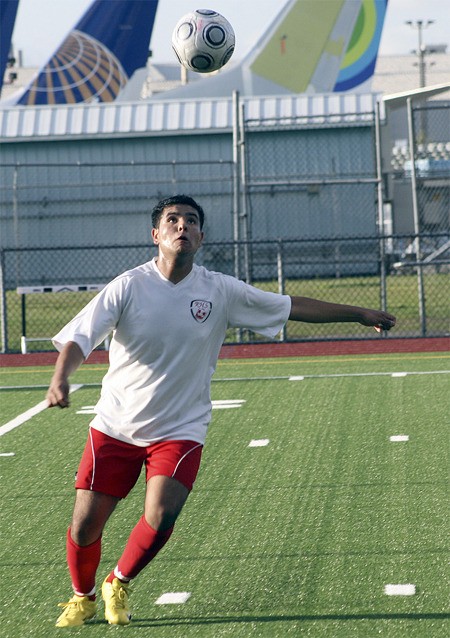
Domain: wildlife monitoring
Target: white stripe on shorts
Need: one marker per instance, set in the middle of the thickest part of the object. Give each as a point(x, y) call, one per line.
point(93, 458)
point(183, 457)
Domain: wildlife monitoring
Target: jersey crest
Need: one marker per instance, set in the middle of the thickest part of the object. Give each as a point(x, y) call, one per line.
point(200, 310)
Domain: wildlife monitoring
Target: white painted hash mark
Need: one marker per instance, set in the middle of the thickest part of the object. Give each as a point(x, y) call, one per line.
point(7, 454)
point(399, 437)
point(227, 404)
point(299, 378)
point(399, 374)
point(86, 409)
point(400, 590)
point(258, 442)
point(29, 414)
point(173, 598)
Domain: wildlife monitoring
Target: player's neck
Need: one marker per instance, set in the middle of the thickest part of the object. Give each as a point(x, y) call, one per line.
point(175, 270)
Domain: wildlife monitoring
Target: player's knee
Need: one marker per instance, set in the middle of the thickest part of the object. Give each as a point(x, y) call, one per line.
point(162, 517)
point(84, 532)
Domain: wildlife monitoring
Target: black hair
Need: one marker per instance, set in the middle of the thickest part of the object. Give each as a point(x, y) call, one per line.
point(173, 201)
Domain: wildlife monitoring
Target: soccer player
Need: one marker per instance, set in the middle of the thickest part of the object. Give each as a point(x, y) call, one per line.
point(168, 318)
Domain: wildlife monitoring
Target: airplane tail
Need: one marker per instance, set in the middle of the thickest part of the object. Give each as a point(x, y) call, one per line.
point(321, 47)
point(8, 11)
point(312, 46)
point(358, 65)
point(97, 58)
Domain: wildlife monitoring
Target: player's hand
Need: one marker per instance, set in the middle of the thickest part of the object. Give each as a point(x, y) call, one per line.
point(379, 319)
point(58, 394)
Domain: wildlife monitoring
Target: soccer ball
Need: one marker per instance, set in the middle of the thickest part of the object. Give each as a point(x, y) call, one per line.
point(203, 41)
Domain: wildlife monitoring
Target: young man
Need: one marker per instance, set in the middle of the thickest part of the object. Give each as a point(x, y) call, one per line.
point(168, 318)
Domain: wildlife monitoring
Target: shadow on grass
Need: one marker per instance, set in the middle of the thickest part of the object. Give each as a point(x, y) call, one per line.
point(222, 620)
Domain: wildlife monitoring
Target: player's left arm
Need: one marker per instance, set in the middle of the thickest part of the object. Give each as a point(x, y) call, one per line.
point(316, 311)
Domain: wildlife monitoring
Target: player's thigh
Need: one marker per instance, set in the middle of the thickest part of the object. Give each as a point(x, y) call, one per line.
point(171, 470)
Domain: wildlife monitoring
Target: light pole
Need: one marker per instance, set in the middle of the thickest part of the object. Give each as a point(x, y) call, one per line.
point(422, 49)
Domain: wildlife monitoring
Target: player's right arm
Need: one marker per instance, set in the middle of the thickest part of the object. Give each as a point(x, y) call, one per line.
point(70, 358)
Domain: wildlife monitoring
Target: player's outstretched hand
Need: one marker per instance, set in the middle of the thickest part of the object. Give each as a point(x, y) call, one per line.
point(58, 394)
point(379, 319)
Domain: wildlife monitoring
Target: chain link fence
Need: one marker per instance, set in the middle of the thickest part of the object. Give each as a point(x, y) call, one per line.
point(421, 179)
point(300, 208)
point(88, 204)
point(340, 270)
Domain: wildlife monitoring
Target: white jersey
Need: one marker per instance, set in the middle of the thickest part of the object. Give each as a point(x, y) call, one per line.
point(165, 345)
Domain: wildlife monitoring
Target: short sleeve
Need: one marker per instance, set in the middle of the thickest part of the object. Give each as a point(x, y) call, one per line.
point(96, 320)
point(257, 310)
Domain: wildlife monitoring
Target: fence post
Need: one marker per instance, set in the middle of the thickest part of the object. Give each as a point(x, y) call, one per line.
point(236, 184)
point(280, 276)
point(3, 309)
point(380, 195)
point(244, 216)
point(415, 203)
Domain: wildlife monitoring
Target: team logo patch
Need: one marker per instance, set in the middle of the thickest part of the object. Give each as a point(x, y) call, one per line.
point(200, 310)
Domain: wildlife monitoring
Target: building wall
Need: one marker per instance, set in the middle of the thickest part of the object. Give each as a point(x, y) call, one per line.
point(100, 192)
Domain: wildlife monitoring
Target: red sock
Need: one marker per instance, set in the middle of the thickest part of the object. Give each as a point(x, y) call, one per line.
point(142, 546)
point(83, 563)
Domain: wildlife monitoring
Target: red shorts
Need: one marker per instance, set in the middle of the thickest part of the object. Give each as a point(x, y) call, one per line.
point(113, 467)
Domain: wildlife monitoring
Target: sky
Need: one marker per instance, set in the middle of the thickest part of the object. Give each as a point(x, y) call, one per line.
point(41, 25)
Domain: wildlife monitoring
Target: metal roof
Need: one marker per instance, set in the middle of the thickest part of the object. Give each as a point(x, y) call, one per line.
point(178, 116)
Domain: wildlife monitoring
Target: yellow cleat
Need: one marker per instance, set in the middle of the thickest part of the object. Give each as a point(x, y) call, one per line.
point(115, 595)
point(76, 611)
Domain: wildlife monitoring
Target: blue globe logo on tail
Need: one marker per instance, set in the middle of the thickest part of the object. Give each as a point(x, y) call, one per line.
point(82, 70)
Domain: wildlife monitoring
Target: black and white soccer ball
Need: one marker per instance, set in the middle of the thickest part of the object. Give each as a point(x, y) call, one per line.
point(203, 41)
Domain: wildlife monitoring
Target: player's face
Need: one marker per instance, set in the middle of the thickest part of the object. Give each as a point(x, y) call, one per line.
point(179, 230)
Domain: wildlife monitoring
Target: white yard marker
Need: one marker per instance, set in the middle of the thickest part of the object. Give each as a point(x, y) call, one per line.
point(86, 409)
point(259, 442)
point(227, 404)
point(399, 437)
point(29, 414)
point(173, 598)
point(296, 378)
point(7, 454)
point(400, 590)
point(399, 374)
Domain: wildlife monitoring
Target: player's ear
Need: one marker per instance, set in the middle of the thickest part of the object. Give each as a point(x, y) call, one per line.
point(155, 236)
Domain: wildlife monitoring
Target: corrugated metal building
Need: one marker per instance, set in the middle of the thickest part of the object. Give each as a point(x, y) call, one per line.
point(89, 174)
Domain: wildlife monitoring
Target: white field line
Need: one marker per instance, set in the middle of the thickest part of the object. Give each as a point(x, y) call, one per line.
point(290, 378)
point(29, 414)
point(224, 404)
point(43, 386)
point(332, 376)
point(367, 374)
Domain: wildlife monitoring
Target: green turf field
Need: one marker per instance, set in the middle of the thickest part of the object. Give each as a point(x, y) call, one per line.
point(298, 537)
